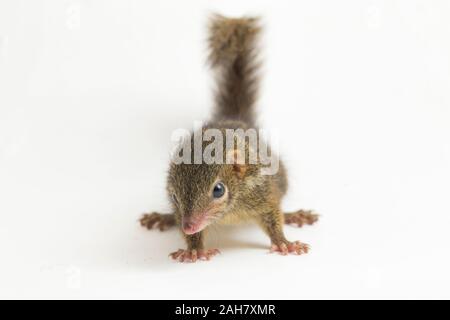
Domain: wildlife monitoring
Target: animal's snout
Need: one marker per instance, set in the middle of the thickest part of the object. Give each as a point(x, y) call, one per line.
point(187, 223)
point(193, 224)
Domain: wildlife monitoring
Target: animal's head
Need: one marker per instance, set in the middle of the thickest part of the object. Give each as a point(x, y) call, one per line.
point(206, 192)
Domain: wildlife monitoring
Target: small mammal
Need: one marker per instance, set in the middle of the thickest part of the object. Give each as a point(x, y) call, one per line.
point(203, 194)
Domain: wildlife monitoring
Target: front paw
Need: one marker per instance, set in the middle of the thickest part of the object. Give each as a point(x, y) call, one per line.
point(301, 217)
point(156, 220)
point(193, 255)
point(287, 247)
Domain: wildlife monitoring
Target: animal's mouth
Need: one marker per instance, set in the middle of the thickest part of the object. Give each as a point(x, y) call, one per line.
point(195, 224)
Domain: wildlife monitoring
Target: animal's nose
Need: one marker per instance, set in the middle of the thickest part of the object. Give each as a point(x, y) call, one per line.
point(187, 224)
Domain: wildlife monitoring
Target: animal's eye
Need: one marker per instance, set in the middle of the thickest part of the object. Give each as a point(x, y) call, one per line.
point(174, 198)
point(219, 190)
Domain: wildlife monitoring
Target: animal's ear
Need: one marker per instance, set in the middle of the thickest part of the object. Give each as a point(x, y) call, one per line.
point(237, 159)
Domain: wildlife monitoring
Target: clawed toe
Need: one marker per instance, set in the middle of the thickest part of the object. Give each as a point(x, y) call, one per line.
point(301, 218)
point(193, 255)
point(156, 220)
point(286, 248)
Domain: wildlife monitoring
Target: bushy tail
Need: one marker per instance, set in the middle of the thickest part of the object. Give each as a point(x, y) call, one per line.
point(233, 55)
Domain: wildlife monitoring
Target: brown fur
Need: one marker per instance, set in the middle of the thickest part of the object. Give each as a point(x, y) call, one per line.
point(250, 195)
point(233, 55)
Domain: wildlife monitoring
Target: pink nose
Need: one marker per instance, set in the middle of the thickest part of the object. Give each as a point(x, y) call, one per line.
point(187, 224)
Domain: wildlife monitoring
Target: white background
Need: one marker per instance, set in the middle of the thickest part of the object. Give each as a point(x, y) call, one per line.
point(90, 92)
